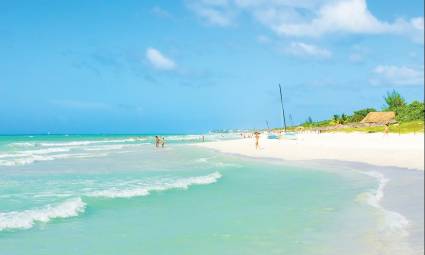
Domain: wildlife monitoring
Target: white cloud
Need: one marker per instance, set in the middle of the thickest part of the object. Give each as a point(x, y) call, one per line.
point(307, 50)
point(308, 18)
point(418, 23)
point(158, 60)
point(414, 28)
point(342, 16)
point(215, 12)
point(159, 12)
point(214, 17)
point(397, 75)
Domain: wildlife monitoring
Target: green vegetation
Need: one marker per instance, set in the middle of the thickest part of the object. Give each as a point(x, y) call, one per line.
point(402, 128)
point(410, 117)
point(312, 124)
point(410, 112)
point(404, 112)
point(360, 114)
point(394, 100)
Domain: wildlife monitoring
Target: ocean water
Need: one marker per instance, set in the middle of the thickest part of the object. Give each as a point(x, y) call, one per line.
point(121, 195)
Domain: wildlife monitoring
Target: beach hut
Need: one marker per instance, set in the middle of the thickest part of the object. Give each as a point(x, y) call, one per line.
point(379, 118)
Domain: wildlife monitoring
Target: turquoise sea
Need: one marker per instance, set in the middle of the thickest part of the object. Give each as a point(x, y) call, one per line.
point(119, 194)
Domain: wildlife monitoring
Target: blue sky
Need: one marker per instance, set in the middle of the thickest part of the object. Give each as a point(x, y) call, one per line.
point(192, 66)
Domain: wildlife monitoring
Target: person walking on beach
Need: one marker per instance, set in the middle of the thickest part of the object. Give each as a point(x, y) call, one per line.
point(257, 140)
point(387, 129)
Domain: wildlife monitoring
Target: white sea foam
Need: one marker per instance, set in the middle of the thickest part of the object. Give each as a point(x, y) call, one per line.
point(44, 151)
point(105, 147)
point(23, 144)
point(108, 147)
point(8, 155)
point(202, 160)
point(26, 219)
point(393, 222)
point(184, 138)
point(24, 157)
point(30, 156)
point(222, 164)
point(75, 143)
point(374, 197)
point(71, 144)
point(29, 159)
point(88, 142)
point(16, 162)
point(183, 183)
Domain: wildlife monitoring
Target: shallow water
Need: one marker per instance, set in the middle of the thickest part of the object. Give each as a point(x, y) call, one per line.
point(121, 195)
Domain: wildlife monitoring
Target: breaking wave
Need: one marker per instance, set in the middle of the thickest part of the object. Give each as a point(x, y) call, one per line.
point(31, 158)
point(26, 219)
point(76, 143)
point(183, 183)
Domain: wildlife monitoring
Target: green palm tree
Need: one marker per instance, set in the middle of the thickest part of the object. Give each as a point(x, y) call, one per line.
point(343, 118)
point(336, 118)
point(394, 100)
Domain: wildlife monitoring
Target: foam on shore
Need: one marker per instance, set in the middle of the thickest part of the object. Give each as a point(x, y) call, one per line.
point(393, 222)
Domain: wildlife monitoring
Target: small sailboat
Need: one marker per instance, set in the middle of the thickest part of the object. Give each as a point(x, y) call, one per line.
point(273, 136)
point(289, 136)
point(270, 134)
point(285, 134)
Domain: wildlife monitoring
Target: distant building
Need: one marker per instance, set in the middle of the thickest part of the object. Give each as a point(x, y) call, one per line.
point(379, 118)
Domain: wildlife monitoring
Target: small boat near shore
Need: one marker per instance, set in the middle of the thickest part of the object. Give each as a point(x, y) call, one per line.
point(273, 136)
point(283, 135)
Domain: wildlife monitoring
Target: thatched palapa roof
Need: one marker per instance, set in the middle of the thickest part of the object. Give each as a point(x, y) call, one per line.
point(382, 118)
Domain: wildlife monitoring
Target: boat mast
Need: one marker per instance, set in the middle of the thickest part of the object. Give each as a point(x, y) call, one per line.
point(283, 110)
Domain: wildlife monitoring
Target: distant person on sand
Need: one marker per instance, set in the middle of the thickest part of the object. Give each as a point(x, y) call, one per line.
point(387, 129)
point(163, 142)
point(257, 140)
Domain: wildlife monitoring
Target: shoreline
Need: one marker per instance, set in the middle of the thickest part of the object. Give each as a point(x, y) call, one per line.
point(399, 195)
point(403, 151)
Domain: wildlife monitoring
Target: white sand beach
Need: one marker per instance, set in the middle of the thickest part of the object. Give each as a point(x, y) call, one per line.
point(405, 151)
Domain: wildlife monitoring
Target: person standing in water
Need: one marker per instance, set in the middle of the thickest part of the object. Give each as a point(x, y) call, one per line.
point(157, 140)
point(163, 142)
point(257, 140)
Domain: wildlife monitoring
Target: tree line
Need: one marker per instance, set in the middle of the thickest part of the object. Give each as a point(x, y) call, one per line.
point(393, 102)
